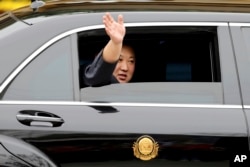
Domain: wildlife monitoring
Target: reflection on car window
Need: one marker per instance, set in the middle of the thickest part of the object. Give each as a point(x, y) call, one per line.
point(165, 56)
point(48, 77)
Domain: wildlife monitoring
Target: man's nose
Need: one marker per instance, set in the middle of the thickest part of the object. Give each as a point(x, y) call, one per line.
point(124, 66)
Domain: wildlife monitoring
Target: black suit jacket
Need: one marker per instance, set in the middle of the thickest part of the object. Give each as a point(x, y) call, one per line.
point(98, 73)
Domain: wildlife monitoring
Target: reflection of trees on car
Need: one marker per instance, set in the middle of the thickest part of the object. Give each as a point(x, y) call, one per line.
point(7, 5)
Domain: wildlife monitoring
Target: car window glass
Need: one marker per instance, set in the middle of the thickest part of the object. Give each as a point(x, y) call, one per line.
point(173, 65)
point(244, 61)
point(157, 92)
point(48, 77)
point(246, 35)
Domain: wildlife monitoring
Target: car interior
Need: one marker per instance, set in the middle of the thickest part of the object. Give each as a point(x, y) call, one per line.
point(163, 54)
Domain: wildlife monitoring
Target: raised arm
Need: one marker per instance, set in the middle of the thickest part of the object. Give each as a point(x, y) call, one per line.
point(100, 71)
point(116, 31)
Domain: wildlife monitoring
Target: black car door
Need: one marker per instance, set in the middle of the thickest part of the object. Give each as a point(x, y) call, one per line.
point(44, 107)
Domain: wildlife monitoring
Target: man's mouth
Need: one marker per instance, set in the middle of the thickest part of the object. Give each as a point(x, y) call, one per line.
point(122, 77)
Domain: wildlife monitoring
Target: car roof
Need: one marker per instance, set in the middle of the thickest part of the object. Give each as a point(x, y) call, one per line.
point(159, 5)
point(55, 7)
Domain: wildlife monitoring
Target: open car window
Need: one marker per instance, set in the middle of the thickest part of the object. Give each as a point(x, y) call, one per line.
point(174, 64)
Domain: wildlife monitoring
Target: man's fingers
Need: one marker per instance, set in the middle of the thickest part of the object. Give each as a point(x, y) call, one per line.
point(120, 19)
point(111, 24)
point(109, 18)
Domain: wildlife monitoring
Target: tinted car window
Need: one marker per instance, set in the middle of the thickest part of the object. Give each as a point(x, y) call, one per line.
point(174, 64)
point(48, 77)
point(244, 60)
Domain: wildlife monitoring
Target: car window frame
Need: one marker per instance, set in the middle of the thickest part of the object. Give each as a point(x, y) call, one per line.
point(229, 78)
point(231, 95)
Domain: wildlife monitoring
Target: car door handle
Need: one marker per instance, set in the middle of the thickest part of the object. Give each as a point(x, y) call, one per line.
point(39, 118)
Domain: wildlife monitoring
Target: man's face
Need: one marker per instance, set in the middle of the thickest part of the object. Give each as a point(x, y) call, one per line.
point(125, 67)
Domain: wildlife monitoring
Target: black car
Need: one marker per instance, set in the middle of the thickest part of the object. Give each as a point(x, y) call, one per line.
point(187, 105)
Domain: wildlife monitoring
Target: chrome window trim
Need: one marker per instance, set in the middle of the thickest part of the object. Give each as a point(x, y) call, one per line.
point(247, 106)
point(123, 104)
point(62, 35)
point(176, 24)
point(239, 24)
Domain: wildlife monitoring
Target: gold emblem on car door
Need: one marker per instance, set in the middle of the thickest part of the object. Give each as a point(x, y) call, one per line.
point(145, 148)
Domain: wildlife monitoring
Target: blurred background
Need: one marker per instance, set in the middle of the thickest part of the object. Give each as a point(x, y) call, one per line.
point(7, 5)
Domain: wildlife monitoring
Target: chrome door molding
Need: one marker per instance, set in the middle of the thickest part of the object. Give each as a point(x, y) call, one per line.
point(239, 24)
point(62, 35)
point(65, 103)
point(246, 106)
